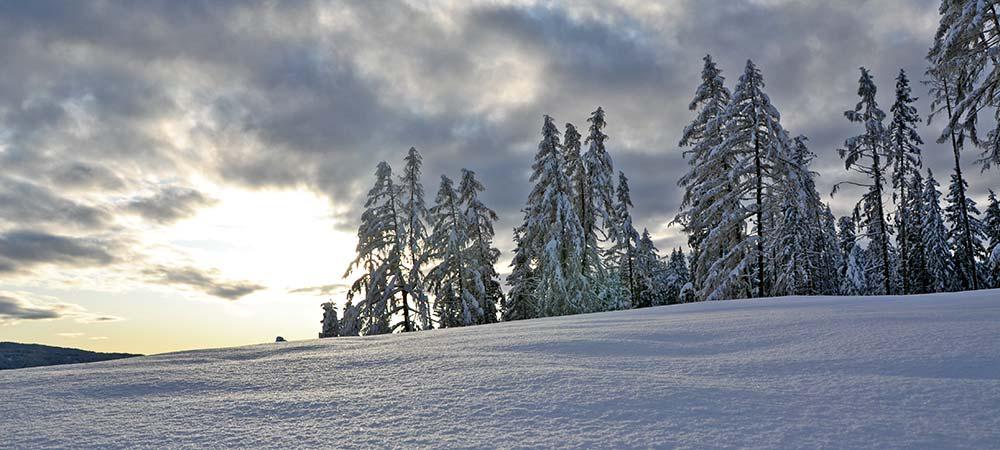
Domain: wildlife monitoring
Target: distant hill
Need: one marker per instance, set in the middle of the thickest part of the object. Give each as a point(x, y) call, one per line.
point(17, 356)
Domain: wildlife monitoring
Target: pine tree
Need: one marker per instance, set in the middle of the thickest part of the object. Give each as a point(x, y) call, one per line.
point(626, 239)
point(991, 228)
point(917, 265)
point(965, 51)
point(904, 145)
point(677, 277)
point(550, 243)
point(856, 278)
point(414, 213)
point(649, 272)
point(702, 135)
point(521, 302)
point(797, 243)
point(847, 236)
point(452, 279)
point(379, 255)
point(956, 66)
point(753, 140)
point(967, 252)
point(828, 275)
point(868, 154)
point(598, 215)
point(482, 254)
point(937, 255)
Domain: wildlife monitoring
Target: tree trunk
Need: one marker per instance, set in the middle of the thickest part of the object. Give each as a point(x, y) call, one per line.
point(760, 213)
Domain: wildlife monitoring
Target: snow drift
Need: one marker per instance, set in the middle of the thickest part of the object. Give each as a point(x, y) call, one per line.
point(920, 371)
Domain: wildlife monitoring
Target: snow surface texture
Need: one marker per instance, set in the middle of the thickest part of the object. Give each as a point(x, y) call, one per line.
point(920, 371)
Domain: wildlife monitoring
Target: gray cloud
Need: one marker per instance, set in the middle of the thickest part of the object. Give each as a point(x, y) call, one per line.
point(21, 250)
point(313, 94)
point(206, 281)
point(326, 289)
point(13, 308)
point(169, 204)
point(23, 203)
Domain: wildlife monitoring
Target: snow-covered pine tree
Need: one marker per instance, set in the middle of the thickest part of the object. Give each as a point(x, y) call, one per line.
point(904, 145)
point(598, 216)
point(550, 243)
point(937, 255)
point(965, 50)
point(414, 212)
point(917, 265)
point(856, 278)
point(349, 324)
point(991, 227)
point(847, 236)
point(625, 238)
point(797, 236)
point(588, 208)
point(702, 135)
point(753, 140)
point(831, 258)
point(967, 252)
point(379, 256)
point(521, 302)
point(452, 280)
point(649, 272)
point(677, 277)
point(953, 75)
point(483, 255)
point(868, 155)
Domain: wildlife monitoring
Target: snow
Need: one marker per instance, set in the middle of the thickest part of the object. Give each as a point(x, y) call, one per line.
point(818, 372)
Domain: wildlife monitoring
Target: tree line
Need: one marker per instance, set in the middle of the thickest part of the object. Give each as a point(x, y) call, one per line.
point(756, 225)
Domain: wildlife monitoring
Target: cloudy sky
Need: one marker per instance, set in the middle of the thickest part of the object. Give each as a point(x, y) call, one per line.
point(188, 174)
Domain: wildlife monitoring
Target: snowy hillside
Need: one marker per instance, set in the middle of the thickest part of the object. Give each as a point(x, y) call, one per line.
point(919, 371)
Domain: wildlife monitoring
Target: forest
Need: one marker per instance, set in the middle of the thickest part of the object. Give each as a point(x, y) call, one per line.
point(756, 225)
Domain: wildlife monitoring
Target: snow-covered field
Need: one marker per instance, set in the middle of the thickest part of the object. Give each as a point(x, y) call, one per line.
point(919, 371)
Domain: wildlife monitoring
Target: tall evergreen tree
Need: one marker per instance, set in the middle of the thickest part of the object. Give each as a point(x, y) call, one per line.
point(937, 255)
point(414, 213)
point(956, 66)
point(456, 293)
point(702, 135)
point(551, 240)
point(916, 263)
point(753, 140)
point(868, 154)
point(904, 145)
point(797, 245)
point(967, 252)
point(483, 255)
point(626, 238)
point(380, 248)
point(831, 258)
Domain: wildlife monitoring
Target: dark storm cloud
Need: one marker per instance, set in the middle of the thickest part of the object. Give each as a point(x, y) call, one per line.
point(169, 204)
point(103, 96)
point(13, 308)
point(20, 250)
point(206, 281)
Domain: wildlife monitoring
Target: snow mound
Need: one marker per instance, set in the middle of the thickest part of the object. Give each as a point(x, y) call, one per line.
point(920, 371)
